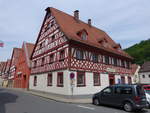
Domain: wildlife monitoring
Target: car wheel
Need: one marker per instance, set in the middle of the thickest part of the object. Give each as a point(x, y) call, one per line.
point(95, 101)
point(128, 107)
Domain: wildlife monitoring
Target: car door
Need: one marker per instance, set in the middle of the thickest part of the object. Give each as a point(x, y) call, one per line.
point(106, 96)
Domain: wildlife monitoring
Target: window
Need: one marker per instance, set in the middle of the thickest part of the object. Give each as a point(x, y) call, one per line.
point(51, 58)
point(106, 59)
point(143, 76)
point(129, 80)
point(35, 81)
point(84, 36)
point(79, 54)
point(123, 90)
point(107, 90)
point(115, 61)
point(96, 77)
point(122, 79)
point(122, 63)
point(35, 64)
point(60, 80)
point(53, 37)
point(52, 23)
point(149, 76)
point(49, 79)
point(43, 59)
point(80, 79)
point(62, 55)
point(95, 58)
point(128, 65)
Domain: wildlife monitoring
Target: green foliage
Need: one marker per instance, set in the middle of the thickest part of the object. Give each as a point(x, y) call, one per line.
point(140, 52)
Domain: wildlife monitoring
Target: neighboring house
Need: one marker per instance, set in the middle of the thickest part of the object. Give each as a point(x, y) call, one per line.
point(6, 73)
point(144, 73)
point(13, 66)
point(71, 57)
point(135, 70)
point(2, 67)
point(21, 79)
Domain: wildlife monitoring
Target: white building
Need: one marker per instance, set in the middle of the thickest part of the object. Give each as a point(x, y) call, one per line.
point(144, 73)
point(74, 58)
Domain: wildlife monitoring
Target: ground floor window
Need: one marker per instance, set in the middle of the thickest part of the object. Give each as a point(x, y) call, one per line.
point(35, 81)
point(96, 79)
point(122, 79)
point(49, 79)
point(80, 79)
point(60, 81)
point(129, 80)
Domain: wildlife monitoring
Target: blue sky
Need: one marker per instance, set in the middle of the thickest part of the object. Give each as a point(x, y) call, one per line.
point(126, 21)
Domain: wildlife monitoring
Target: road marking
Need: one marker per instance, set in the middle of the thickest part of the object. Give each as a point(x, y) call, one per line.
point(86, 107)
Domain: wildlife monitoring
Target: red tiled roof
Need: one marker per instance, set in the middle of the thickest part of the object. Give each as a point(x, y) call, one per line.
point(71, 27)
point(145, 67)
point(28, 52)
point(30, 48)
point(16, 52)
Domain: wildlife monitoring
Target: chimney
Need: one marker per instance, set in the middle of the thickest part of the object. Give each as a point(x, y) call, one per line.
point(89, 22)
point(76, 14)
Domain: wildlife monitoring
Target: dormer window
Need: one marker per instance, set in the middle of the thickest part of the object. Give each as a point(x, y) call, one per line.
point(84, 36)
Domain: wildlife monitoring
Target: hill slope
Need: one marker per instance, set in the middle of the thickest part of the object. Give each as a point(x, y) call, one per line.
point(140, 52)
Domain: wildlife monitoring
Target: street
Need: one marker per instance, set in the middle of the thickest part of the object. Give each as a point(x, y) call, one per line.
point(12, 101)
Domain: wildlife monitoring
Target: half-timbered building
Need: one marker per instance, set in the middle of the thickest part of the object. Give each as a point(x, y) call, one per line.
point(72, 57)
point(13, 66)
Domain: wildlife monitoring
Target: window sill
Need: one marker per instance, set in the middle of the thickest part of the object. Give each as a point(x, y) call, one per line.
point(97, 85)
point(60, 85)
point(49, 85)
point(81, 85)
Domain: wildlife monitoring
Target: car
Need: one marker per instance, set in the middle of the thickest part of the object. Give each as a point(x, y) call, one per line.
point(130, 97)
point(147, 92)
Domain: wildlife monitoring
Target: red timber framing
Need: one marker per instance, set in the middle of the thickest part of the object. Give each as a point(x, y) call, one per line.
point(53, 38)
point(51, 41)
point(87, 64)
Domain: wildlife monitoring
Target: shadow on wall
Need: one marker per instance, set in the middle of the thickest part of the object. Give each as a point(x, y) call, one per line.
point(6, 98)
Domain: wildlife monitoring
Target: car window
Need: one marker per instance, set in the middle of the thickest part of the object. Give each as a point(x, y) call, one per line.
point(107, 90)
point(140, 90)
point(123, 90)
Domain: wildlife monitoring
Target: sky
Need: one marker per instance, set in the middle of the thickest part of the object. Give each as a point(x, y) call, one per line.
point(126, 21)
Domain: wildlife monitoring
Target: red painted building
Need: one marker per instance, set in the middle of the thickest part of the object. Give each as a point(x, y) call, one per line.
point(23, 66)
point(72, 57)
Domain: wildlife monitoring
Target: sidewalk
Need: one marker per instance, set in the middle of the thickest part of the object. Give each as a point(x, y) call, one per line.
point(53, 97)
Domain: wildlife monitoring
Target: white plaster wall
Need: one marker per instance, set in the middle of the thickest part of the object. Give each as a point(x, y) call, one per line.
point(145, 80)
point(89, 88)
point(42, 83)
point(116, 78)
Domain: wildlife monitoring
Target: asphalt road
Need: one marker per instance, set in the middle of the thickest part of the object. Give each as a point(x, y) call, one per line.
point(12, 101)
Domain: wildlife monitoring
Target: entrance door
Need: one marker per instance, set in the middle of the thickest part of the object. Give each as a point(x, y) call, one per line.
point(111, 79)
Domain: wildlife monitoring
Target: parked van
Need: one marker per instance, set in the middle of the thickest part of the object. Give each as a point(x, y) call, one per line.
point(130, 97)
